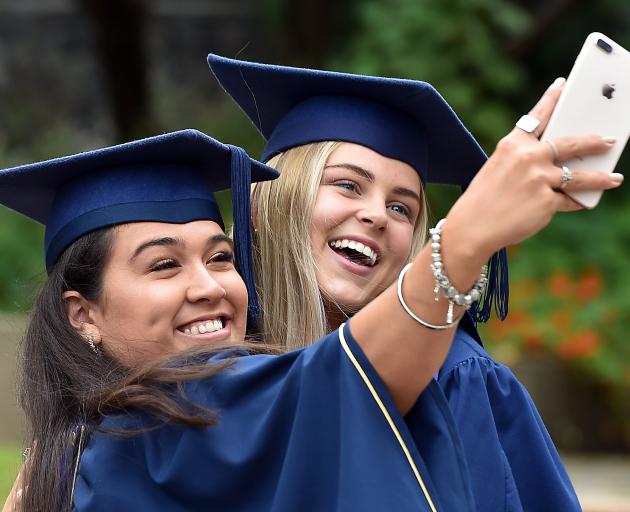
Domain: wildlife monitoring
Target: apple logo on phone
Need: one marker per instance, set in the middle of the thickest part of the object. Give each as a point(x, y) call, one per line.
point(607, 90)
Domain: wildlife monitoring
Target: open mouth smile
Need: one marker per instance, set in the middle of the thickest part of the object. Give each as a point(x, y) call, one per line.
point(355, 251)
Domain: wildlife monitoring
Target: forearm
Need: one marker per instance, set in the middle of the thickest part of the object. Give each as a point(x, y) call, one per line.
point(405, 353)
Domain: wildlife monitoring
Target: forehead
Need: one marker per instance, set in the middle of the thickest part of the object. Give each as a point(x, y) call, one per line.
point(382, 167)
point(128, 236)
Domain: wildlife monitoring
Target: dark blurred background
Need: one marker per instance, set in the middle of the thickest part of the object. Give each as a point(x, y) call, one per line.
point(76, 75)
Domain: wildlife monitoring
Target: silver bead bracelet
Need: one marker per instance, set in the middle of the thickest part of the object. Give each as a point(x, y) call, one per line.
point(442, 281)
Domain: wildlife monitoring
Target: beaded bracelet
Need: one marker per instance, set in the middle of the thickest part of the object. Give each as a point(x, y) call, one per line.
point(442, 281)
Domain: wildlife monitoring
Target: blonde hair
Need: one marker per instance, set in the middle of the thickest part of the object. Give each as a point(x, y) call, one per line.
point(293, 314)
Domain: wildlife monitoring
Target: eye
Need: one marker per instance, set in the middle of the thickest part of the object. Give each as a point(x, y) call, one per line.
point(222, 257)
point(163, 264)
point(348, 185)
point(400, 209)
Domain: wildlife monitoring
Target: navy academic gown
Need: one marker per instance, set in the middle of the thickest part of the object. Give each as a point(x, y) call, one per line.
point(513, 463)
point(311, 430)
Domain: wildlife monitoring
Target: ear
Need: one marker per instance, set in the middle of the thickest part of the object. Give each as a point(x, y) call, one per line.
point(80, 313)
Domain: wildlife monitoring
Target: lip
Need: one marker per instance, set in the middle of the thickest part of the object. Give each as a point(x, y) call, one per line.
point(357, 238)
point(350, 266)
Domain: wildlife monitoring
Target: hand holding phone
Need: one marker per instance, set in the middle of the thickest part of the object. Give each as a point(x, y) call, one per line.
point(595, 99)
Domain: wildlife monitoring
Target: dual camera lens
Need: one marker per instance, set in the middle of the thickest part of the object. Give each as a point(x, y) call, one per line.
point(604, 45)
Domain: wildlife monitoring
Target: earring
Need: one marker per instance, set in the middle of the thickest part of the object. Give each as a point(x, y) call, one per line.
point(92, 345)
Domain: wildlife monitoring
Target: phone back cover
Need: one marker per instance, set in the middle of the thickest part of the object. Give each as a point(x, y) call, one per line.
point(596, 99)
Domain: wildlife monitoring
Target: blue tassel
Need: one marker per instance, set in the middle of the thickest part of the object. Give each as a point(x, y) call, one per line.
point(497, 291)
point(241, 212)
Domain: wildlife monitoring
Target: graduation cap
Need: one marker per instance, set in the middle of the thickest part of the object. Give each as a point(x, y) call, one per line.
point(168, 178)
point(407, 120)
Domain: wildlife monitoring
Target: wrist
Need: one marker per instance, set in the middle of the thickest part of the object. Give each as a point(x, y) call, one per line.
point(463, 253)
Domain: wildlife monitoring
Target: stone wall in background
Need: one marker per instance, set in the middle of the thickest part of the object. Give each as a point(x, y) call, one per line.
point(51, 84)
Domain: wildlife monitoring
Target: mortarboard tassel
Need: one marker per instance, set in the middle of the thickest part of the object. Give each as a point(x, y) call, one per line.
point(497, 291)
point(241, 185)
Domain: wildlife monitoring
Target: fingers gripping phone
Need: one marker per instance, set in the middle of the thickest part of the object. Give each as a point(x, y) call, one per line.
point(595, 99)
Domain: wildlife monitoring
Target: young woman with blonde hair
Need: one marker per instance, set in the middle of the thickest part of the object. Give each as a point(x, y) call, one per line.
point(368, 135)
point(294, 306)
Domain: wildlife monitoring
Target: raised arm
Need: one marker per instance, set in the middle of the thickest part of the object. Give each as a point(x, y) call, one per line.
point(514, 195)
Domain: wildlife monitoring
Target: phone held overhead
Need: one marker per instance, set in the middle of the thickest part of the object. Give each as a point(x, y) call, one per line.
point(595, 99)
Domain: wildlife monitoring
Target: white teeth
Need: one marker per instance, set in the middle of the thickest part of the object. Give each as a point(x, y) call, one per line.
point(357, 246)
point(204, 327)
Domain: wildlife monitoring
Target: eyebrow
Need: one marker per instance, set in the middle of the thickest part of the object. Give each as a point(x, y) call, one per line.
point(364, 173)
point(168, 241)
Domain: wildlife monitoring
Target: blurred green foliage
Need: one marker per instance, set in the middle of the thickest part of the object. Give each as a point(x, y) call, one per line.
point(10, 461)
point(456, 45)
point(21, 260)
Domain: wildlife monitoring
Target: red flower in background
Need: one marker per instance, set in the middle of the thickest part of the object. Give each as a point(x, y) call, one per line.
point(516, 322)
point(581, 345)
point(590, 285)
point(533, 342)
point(562, 319)
point(560, 285)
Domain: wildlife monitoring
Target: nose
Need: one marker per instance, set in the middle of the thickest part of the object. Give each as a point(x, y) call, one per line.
point(374, 214)
point(202, 286)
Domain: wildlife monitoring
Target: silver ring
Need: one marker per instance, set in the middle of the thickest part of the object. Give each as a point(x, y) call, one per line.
point(566, 178)
point(527, 123)
point(553, 147)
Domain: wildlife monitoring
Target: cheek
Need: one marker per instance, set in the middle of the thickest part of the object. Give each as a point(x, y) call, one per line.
point(401, 244)
point(238, 292)
point(237, 296)
point(141, 307)
point(328, 210)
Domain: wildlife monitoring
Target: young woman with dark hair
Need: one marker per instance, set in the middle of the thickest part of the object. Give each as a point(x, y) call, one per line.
point(139, 390)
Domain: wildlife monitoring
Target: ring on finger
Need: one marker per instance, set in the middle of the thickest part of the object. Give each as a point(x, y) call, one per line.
point(566, 178)
point(554, 148)
point(527, 123)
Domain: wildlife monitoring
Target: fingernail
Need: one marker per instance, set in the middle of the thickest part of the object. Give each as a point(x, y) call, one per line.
point(558, 82)
point(609, 140)
point(616, 177)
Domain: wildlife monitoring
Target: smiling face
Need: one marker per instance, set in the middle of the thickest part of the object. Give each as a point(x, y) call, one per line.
point(168, 287)
point(363, 224)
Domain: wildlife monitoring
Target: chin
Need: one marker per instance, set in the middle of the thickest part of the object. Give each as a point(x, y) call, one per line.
point(351, 300)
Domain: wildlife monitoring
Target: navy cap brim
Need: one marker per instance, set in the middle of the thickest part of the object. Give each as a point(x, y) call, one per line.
point(266, 93)
point(31, 189)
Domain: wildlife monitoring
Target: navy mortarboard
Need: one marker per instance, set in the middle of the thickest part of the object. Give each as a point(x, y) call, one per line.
point(168, 178)
point(403, 119)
